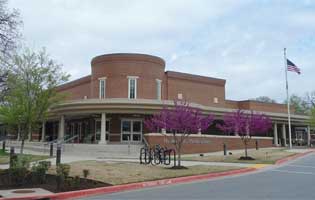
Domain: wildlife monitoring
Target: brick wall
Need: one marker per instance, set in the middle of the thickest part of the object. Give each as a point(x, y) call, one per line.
point(194, 88)
point(207, 143)
point(197, 89)
point(116, 68)
point(76, 89)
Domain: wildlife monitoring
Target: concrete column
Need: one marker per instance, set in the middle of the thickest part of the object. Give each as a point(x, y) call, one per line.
point(19, 133)
point(103, 129)
point(275, 134)
point(43, 131)
point(61, 133)
point(284, 135)
point(308, 135)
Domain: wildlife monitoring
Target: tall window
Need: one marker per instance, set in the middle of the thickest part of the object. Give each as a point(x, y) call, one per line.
point(102, 88)
point(132, 87)
point(158, 89)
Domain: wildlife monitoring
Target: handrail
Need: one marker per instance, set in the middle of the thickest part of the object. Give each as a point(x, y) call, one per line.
point(71, 138)
point(53, 141)
point(145, 142)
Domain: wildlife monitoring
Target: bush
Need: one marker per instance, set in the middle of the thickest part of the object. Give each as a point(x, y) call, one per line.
point(39, 171)
point(18, 171)
point(63, 171)
point(75, 182)
point(86, 173)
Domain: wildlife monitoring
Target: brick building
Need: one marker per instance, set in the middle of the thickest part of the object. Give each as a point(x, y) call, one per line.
point(109, 105)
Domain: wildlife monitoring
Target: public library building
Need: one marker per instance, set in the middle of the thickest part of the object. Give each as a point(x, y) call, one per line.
point(109, 106)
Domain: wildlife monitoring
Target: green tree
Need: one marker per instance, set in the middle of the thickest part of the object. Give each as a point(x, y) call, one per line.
point(312, 118)
point(32, 83)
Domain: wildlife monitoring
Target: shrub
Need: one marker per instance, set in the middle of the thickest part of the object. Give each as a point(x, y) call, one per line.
point(18, 171)
point(75, 182)
point(39, 171)
point(63, 171)
point(86, 173)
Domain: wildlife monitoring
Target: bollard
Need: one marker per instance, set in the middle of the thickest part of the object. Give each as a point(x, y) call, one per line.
point(224, 149)
point(51, 153)
point(12, 157)
point(256, 144)
point(128, 145)
point(3, 145)
point(58, 154)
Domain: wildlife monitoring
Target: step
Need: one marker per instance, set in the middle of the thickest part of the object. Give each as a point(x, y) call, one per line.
point(84, 149)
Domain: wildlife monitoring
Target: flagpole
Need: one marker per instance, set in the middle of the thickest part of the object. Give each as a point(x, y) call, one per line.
point(288, 100)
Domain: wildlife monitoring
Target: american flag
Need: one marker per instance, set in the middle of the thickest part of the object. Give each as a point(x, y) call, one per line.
point(292, 67)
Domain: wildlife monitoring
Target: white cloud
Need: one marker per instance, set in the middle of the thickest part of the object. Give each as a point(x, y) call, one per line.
point(241, 41)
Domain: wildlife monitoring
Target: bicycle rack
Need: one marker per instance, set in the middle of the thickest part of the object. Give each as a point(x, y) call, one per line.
point(157, 155)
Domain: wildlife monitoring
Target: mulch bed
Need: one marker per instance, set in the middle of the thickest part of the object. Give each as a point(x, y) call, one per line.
point(50, 184)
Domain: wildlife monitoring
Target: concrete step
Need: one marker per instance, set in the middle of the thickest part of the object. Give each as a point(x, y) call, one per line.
point(95, 150)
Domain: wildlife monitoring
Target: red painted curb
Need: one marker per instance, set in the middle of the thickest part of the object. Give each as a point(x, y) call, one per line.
point(133, 186)
point(146, 184)
point(287, 159)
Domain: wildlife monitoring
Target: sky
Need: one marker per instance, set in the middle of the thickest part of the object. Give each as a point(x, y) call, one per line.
point(240, 41)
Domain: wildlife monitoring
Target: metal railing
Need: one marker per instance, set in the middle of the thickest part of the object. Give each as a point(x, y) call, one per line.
point(70, 139)
point(146, 144)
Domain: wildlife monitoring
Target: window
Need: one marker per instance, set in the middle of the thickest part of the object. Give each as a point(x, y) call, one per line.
point(158, 89)
point(215, 100)
point(131, 130)
point(132, 87)
point(102, 87)
point(179, 96)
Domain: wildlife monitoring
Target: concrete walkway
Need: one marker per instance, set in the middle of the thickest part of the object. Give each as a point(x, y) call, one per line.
point(73, 158)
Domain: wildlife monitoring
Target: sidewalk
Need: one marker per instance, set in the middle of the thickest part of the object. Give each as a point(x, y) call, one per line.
point(74, 158)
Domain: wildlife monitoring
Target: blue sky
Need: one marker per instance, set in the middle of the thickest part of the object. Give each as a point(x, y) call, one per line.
point(240, 41)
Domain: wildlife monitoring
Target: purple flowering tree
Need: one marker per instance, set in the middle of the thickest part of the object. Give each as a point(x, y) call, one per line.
point(180, 121)
point(245, 125)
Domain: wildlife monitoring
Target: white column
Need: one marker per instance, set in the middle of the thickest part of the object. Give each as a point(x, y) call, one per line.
point(284, 135)
point(43, 131)
point(275, 134)
point(103, 129)
point(308, 135)
point(19, 132)
point(61, 133)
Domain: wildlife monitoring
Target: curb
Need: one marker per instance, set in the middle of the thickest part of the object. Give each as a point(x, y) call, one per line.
point(133, 186)
point(287, 159)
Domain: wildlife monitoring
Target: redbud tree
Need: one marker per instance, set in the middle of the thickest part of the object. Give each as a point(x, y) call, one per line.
point(245, 125)
point(180, 121)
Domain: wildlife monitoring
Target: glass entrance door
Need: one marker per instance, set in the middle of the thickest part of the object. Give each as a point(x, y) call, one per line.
point(131, 130)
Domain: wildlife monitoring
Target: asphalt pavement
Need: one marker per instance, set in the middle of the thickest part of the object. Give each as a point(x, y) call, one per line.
point(293, 180)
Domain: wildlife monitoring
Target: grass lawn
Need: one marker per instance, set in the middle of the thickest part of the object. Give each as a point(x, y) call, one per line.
point(262, 156)
point(4, 157)
point(123, 172)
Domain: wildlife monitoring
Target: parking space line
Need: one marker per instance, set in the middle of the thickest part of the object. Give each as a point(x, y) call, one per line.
point(293, 172)
point(306, 166)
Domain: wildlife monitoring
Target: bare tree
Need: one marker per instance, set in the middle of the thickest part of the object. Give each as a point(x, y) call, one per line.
point(9, 30)
point(264, 99)
point(9, 37)
point(310, 98)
